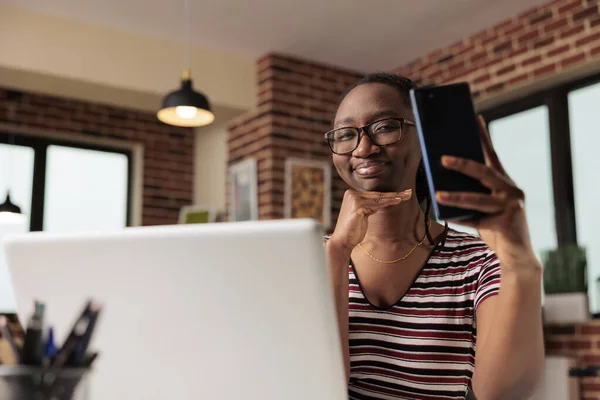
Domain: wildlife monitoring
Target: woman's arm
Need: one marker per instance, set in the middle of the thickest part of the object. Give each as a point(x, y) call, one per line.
point(338, 257)
point(350, 230)
point(509, 356)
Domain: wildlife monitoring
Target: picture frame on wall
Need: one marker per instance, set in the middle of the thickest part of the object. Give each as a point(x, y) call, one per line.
point(243, 191)
point(307, 192)
point(197, 214)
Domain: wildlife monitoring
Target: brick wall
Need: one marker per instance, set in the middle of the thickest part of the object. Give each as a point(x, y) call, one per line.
point(168, 151)
point(518, 51)
point(296, 103)
point(581, 342)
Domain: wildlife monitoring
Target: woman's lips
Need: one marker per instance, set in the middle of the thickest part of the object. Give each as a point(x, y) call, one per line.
point(369, 169)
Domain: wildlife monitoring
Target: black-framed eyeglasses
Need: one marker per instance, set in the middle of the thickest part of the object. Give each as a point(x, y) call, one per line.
point(381, 133)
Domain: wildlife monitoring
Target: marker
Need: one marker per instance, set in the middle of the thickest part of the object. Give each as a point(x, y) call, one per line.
point(33, 347)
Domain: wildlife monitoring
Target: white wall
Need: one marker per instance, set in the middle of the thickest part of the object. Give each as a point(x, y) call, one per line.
point(210, 169)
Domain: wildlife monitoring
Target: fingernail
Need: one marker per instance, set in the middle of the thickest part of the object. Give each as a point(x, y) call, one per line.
point(448, 160)
point(442, 196)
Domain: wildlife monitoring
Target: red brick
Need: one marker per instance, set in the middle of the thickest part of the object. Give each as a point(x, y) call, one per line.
point(557, 24)
point(493, 62)
point(506, 70)
point(573, 60)
point(528, 36)
point(544, 70)
point(495, 88)
point(588, 39)
point(488, 40)
point(479, 56)
point(572, 31)
point(518, 79)
point(558, 50)
point(531, 60)
point(540, 17)
point(594, 22)
point(590, 359)
point(586, 13)
point(518, 52)
point(502, 26)
point(570, 6)
point(595, 51)
point(456, 65)
point(514, 30)
point(591, 387)
point(579, 345)
point(481, 79)
point(543, 43)
point(590, 329)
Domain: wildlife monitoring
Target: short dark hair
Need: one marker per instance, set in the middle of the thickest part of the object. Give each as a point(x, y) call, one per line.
point(400, 83)
point(403, 85)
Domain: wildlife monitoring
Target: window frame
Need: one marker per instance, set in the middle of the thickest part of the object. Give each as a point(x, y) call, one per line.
point(40, 147)
point(556, 99)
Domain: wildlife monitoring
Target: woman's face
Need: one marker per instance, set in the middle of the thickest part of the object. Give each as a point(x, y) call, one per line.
point(371, 168)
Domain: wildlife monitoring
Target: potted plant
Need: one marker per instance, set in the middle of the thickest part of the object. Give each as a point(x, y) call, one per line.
point(565, 284)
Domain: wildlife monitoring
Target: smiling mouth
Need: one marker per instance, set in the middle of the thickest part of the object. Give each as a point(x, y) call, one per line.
point(370, 170)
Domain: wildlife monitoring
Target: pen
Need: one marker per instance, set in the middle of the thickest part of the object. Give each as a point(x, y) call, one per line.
point(33, 346)
point(8, 338)
point(77, 332)
point(89, 359)
point(50, 348)
point(78, 355)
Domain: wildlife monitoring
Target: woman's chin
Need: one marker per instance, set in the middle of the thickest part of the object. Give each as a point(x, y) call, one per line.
point(375, 185)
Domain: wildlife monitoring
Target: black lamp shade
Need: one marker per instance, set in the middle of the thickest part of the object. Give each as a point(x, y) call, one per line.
point(9, 207)
point(186, 107)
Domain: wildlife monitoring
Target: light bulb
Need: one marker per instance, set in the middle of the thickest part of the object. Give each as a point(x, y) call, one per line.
point(186, 112)
point(12, 218)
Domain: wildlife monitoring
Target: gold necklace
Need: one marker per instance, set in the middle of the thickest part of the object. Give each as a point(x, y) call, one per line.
point(398, 259)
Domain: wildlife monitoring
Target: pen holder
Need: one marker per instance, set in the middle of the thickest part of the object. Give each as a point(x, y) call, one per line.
point(33, 383)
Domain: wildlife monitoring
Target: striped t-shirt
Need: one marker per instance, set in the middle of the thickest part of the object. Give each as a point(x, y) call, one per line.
point(423, 346)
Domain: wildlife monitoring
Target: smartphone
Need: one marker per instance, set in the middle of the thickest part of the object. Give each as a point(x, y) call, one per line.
point(447, 125)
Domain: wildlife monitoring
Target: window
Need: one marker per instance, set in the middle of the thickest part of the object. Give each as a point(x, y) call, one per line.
point(16, 166)
point(554, 161)
point(60, 186)
point(584, 105)
point(518, 139)
point(71, 186)
point(85, 189)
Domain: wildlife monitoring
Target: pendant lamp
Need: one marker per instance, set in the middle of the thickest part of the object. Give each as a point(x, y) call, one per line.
point(185, 106)
point(9, 212)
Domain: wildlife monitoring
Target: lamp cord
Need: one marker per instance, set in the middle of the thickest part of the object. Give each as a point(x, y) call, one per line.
point(188, 50)
point(10, 149)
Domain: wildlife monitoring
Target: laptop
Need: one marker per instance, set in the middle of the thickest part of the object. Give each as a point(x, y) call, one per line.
point(212, 311)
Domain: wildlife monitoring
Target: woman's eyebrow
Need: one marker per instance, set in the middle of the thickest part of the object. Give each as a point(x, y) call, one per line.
point(348, 121)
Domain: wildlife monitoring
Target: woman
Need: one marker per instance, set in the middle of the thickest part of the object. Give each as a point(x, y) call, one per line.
point(423, 313)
